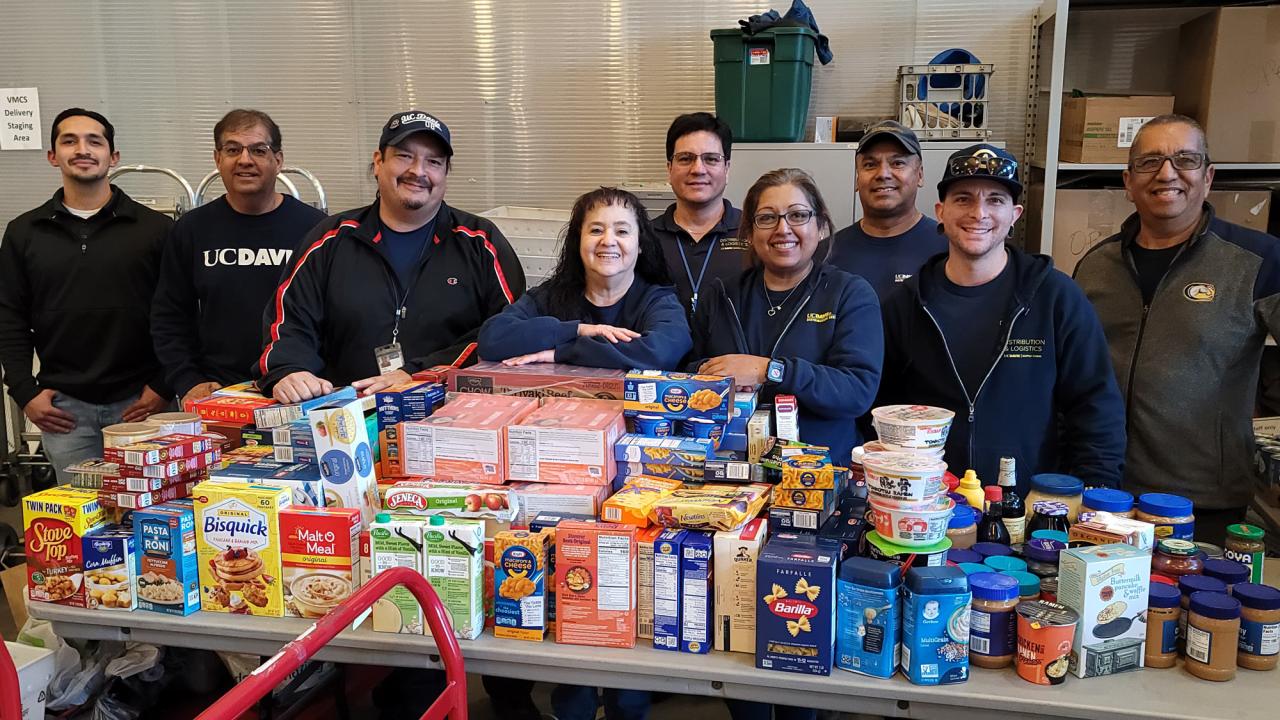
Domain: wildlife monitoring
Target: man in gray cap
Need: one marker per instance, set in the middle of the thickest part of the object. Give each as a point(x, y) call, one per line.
point(893, 238)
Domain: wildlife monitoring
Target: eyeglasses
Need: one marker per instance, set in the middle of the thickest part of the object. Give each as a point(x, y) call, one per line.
point(1181, 161)
point(686, 159)
point(795, 218)
point(231, 151)
point(983, 165)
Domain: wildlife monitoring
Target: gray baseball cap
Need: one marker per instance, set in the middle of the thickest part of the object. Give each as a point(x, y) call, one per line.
point(893, 130)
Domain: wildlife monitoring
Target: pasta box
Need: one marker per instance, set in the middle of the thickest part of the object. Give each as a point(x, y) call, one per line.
point(464, 440)
point(678, 451)
point(546, 523)
point(1107, 585)
point(173, 468)
point(795, 614)
point(543, 380)
point(567, 440)
point(167, 577)
point(678, 396)
point(57, 522)
point(110, 569)
point(520, 579)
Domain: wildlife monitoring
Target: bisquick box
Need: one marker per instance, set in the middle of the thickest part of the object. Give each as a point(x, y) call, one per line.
point(567, 440)
point(542, 380)
point(678, 396)
point(795, 616)
point(736, 553)
point(158, 450)
point(668, 472)
point(168, 578)
point(678, 451)
point(229, 409)
point(238, 543)
point(533, 499)
point(267, 418)
point(465, 439)
point(110, 569)
point(546, 523)
point(645, 538)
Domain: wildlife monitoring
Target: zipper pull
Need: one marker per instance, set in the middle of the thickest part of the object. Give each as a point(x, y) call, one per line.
point(970, 412)
point(83, 248)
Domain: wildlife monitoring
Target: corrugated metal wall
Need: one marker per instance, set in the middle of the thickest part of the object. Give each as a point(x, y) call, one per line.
point(546, 98)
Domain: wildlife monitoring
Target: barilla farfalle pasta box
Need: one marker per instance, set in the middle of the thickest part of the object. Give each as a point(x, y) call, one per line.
point(795, 613)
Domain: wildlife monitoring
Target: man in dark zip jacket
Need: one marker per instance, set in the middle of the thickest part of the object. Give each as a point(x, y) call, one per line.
point(378, 293)
point(76, 276)
point(1186, 301)
point(1000, 338)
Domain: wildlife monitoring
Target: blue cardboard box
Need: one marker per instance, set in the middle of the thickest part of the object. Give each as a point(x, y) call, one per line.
point(274, 416)
point(678, 395)
point(168, 569)
point(678, 451)
point(697, 592)
point(110, 569)
point(795, 617)
point(666, 589)
point(408, 404)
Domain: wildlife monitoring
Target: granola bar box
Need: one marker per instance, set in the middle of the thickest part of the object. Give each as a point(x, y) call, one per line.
point(238, 541)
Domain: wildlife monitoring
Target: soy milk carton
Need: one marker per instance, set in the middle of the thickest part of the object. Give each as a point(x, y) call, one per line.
point(396, 541)
point(454, 551)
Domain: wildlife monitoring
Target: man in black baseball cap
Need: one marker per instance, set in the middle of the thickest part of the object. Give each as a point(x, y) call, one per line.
point(1002, 339)
point(893, 238)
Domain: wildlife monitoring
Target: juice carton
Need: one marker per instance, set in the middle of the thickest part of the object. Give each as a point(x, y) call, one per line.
point(454, 552)
point(795, 620)
point(168, 574)
point(346, 457)
point(520, 576)
point(595, 584)
point(56, 522)
point(632, 504)
point(567, 440)
point(935, 625)
point(320, 558)
point(238, 542)
point(678, 395)
point(396, 541)
point(645, 538)
point(538, 380)
point(1108, 586)
point(736, 554)
point(534, 499)
point(110, 569)
point(546, 523)
point(697, 592)
point(464, 440)
point(666, 589)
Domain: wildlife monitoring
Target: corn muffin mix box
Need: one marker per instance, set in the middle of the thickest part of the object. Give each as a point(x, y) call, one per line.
point(520, 576)
point(595, 584)
point(736, 553)
point(454, 552)
point(345, 456)
point(320, 558)
point(465, 440)
point(57, 522)
point(238, 541)
point(168, 578)
point(679, 395)
point(110, 569)
point(567, 440)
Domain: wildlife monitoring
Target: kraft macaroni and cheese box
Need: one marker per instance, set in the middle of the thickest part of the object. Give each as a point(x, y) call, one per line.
point(666, 589)
point(935, 626)
point(678, 451)
point(345, 457)
point(110, 569)
point(795, 616)
point(678, 395)
point(736, 553)
point(668, 472)
point(168, 580)
point(520, 579)
point(546, 523)
point(697, 592)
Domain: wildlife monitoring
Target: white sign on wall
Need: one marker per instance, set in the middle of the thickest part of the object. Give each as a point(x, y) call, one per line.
point(20, 119)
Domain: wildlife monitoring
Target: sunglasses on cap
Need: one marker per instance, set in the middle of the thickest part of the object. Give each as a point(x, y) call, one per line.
point(983, 165)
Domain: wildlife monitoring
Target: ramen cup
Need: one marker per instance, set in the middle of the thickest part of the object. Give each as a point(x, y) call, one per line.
point(903, 476)
point(1045, 633)
point(912, 426)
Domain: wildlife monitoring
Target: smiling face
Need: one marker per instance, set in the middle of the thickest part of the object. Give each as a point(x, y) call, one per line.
point(698, 183)
point(412, 176)
point(1168, 194)
point(81, 151)
point(254, 169)
point(785, 249)
point(888, 178)
point(610, 241)
point(977, 216)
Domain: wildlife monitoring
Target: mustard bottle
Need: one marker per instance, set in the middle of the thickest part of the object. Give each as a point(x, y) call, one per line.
point(971, 488)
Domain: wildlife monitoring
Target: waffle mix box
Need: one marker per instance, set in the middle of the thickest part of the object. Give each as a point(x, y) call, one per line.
point(736, 553)
point(679, 396)
point(533, 499)
point(110, 569)
point(795, 614)
point(158, 450)
point(465, 439)
point(567, 440)
point(56, 523)
point(520, 576)
point(543, 380)
point(346, 457)
point(454, 551)
point(396, 541)
point(1108, 586)
point(644, 579)
point(595, 584)
point(238, 542)
point(319, 558)
point(168, 574)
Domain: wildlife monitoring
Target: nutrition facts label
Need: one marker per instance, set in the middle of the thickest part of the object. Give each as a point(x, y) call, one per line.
point(527, 447)
point(614, 554)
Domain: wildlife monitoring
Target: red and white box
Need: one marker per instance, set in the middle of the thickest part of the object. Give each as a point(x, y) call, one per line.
point(159, 450)
point(172, 468)
point(465, 440)
point(114, 483)
point(139, 500)
point(229, 409)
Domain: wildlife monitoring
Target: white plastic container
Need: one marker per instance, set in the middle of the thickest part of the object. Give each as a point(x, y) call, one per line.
point(911, 525)
point(122, 434)
point(903, 475)
point(912, 426)
point(177, 422)
point(35, 670)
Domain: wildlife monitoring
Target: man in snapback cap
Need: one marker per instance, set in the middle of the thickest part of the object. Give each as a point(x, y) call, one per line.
point(377, 293)
point(1003, 340)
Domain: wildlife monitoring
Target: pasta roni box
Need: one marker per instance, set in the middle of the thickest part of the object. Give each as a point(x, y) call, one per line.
point(168, 578)
point(678, 396)
point(465, 440)
point(110, 567)
point(57, 522)
point(736, 554)
point(520, 576)
point(567, 440)
point(238, 541)
point(319, 557)
point(595, 584)
point(795, 620)
point(346, 457)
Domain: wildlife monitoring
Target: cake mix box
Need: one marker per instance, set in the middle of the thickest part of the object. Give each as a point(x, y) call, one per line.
point(396, 541)
point(346, 457)
point(1108, 586)
point(454, 552)
point(533, 499)
point(645, 538)
point(274, 416)
point(168, 579)
point(110, 569)
point(795, 616)
point(520, 576)
point(546, 523)
point(464, 440)
point(595, 584)
point(139, 500)
point(736, 553)
point(112, 483)
point(567, 440)
point(319, 558)
point(679, 396)
point(159, 450)
point(238, 542)
point(56, 523)
point(543, 380)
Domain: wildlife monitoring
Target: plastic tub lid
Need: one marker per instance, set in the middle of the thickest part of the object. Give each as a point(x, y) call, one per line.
point(1257, 596)
point(871, 573)
point(971, 568)
point(988, 549)
point(1043, 549)
point(1162, 595)
point(994, 586)
point(1164, 505)
point(1057, 484)
point(1219, 606)
point(963, 517)
point(937, 580)
point(1005, 563)
point(1058, 535)
point(1189, 584)
point(1108, 500)
point(1028, 584)
point(960, 556)
point(1228, 571)
point(382, 518)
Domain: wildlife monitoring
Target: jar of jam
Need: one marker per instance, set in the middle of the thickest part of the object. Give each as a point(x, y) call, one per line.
point(1172, 515)
point(1259, 625)
point(1042, 556)
point(1049, 515)
point(1176, 558)
point(1116, 502)
point(1246, 545)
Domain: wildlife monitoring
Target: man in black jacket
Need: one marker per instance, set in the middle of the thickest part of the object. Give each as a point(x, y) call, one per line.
point(76, 277)
point(378, 293)
point(223, 260)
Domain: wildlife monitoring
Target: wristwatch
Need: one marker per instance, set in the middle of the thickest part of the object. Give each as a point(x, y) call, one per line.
point(776, 371)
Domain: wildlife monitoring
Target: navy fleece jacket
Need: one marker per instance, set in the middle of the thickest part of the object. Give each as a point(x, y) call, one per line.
point(832, 349)
point(1050, 399)
point(531, 326)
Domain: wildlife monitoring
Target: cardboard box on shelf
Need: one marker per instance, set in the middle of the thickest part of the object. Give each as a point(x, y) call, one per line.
point(567, 440)
point(1250, 208)
point(110, 567)
point(521, 578)
point(533, 499)
point(538, 380)
point(1100, 128)
point(736, 553)
point(346, 456)
point(596, 584)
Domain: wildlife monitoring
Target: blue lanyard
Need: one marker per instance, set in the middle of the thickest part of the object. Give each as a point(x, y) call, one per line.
point(693, 301)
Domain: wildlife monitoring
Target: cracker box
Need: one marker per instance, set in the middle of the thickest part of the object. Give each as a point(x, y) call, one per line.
point(173, 468)
point(666, 589)
point(346, 457)
point(465, 440)
point(396, 541)
point(238, 541)
point(168, 579)
point(795, 614)
point(460, 500)
point(407, 402)
point(543, 380)
point(110, 569)
point(678, 395)
point(632, 504)
point(669, 472)
point(139, 500)
point(1103, 528)
point(274, 416)
point(697, 592)
point(520, 576)
point(736, 553)
point(319, 558)
point(532, 499)
point(229, 409)
point(567, 440)
point(158, 450)
point(546, 523)
point(678, 451)
point(454, 551)
point(1107, 585)
point(710, 507)
point(645, 538)
point(595, 584)
point(798, 520)
point(56, 522)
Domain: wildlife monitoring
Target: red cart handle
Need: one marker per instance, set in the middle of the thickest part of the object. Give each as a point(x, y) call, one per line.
point(452, 702)
point(10, 690)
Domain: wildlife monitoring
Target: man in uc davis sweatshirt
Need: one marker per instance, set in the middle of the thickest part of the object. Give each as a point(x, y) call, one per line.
point(1000, 338)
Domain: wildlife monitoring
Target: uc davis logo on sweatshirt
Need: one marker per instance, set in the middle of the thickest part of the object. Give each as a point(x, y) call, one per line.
point(819, 317)
point(246, 257)
point(1200, 292)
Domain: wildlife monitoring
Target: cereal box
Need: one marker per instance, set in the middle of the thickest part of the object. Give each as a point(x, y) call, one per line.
point(567, 440)
point(595, 584)
point(424, 497)
point(56, 522)
point(346, 457)
point(1108, 586)
point(407, 402)
point(158, 450)
point(238, 540)
point(454, 551)
point(736, 553)
point(229, 409)
point(110, 569)
point(274, 416)
point(520, 576)
point(710, 507)
point(396, 541)
point(533, 499)
point(679, 451)
point(168, 576)
point(319, 557)
point(697, 592)
point(544, 380)
point(546, 523)
point(678, 395)
point(666, 589)
point(632, 504)
point(795, 616)
point(645, 538)
point(464, 440)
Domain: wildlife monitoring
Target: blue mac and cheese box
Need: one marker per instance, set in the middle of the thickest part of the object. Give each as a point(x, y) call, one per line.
point(677, 451)
point(795, 617)
point(678, 395)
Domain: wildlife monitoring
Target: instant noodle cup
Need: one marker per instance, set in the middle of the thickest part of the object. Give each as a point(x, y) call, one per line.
point(903, 476)
point(911, 524)
point(912, 426)
point(1045, 632)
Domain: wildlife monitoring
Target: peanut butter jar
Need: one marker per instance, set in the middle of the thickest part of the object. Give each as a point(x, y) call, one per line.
point(1259, 625)
point(1213, 636)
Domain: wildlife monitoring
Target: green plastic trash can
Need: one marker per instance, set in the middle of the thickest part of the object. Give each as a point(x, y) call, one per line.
point(762, 82)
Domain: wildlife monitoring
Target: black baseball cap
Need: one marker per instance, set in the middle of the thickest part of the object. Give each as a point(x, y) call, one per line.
point(982, 162)
point(403, 124)
point(891, 130)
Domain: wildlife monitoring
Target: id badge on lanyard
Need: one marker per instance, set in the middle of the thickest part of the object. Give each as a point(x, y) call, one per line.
point(390, 357)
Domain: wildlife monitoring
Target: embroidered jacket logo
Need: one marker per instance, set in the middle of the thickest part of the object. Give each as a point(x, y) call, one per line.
point(1200, 292)
point(246, 257)
point(819, 317)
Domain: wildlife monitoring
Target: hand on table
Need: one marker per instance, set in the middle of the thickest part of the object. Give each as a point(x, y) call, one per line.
point(369, 386)
point(540, 356)
point(299, 386)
